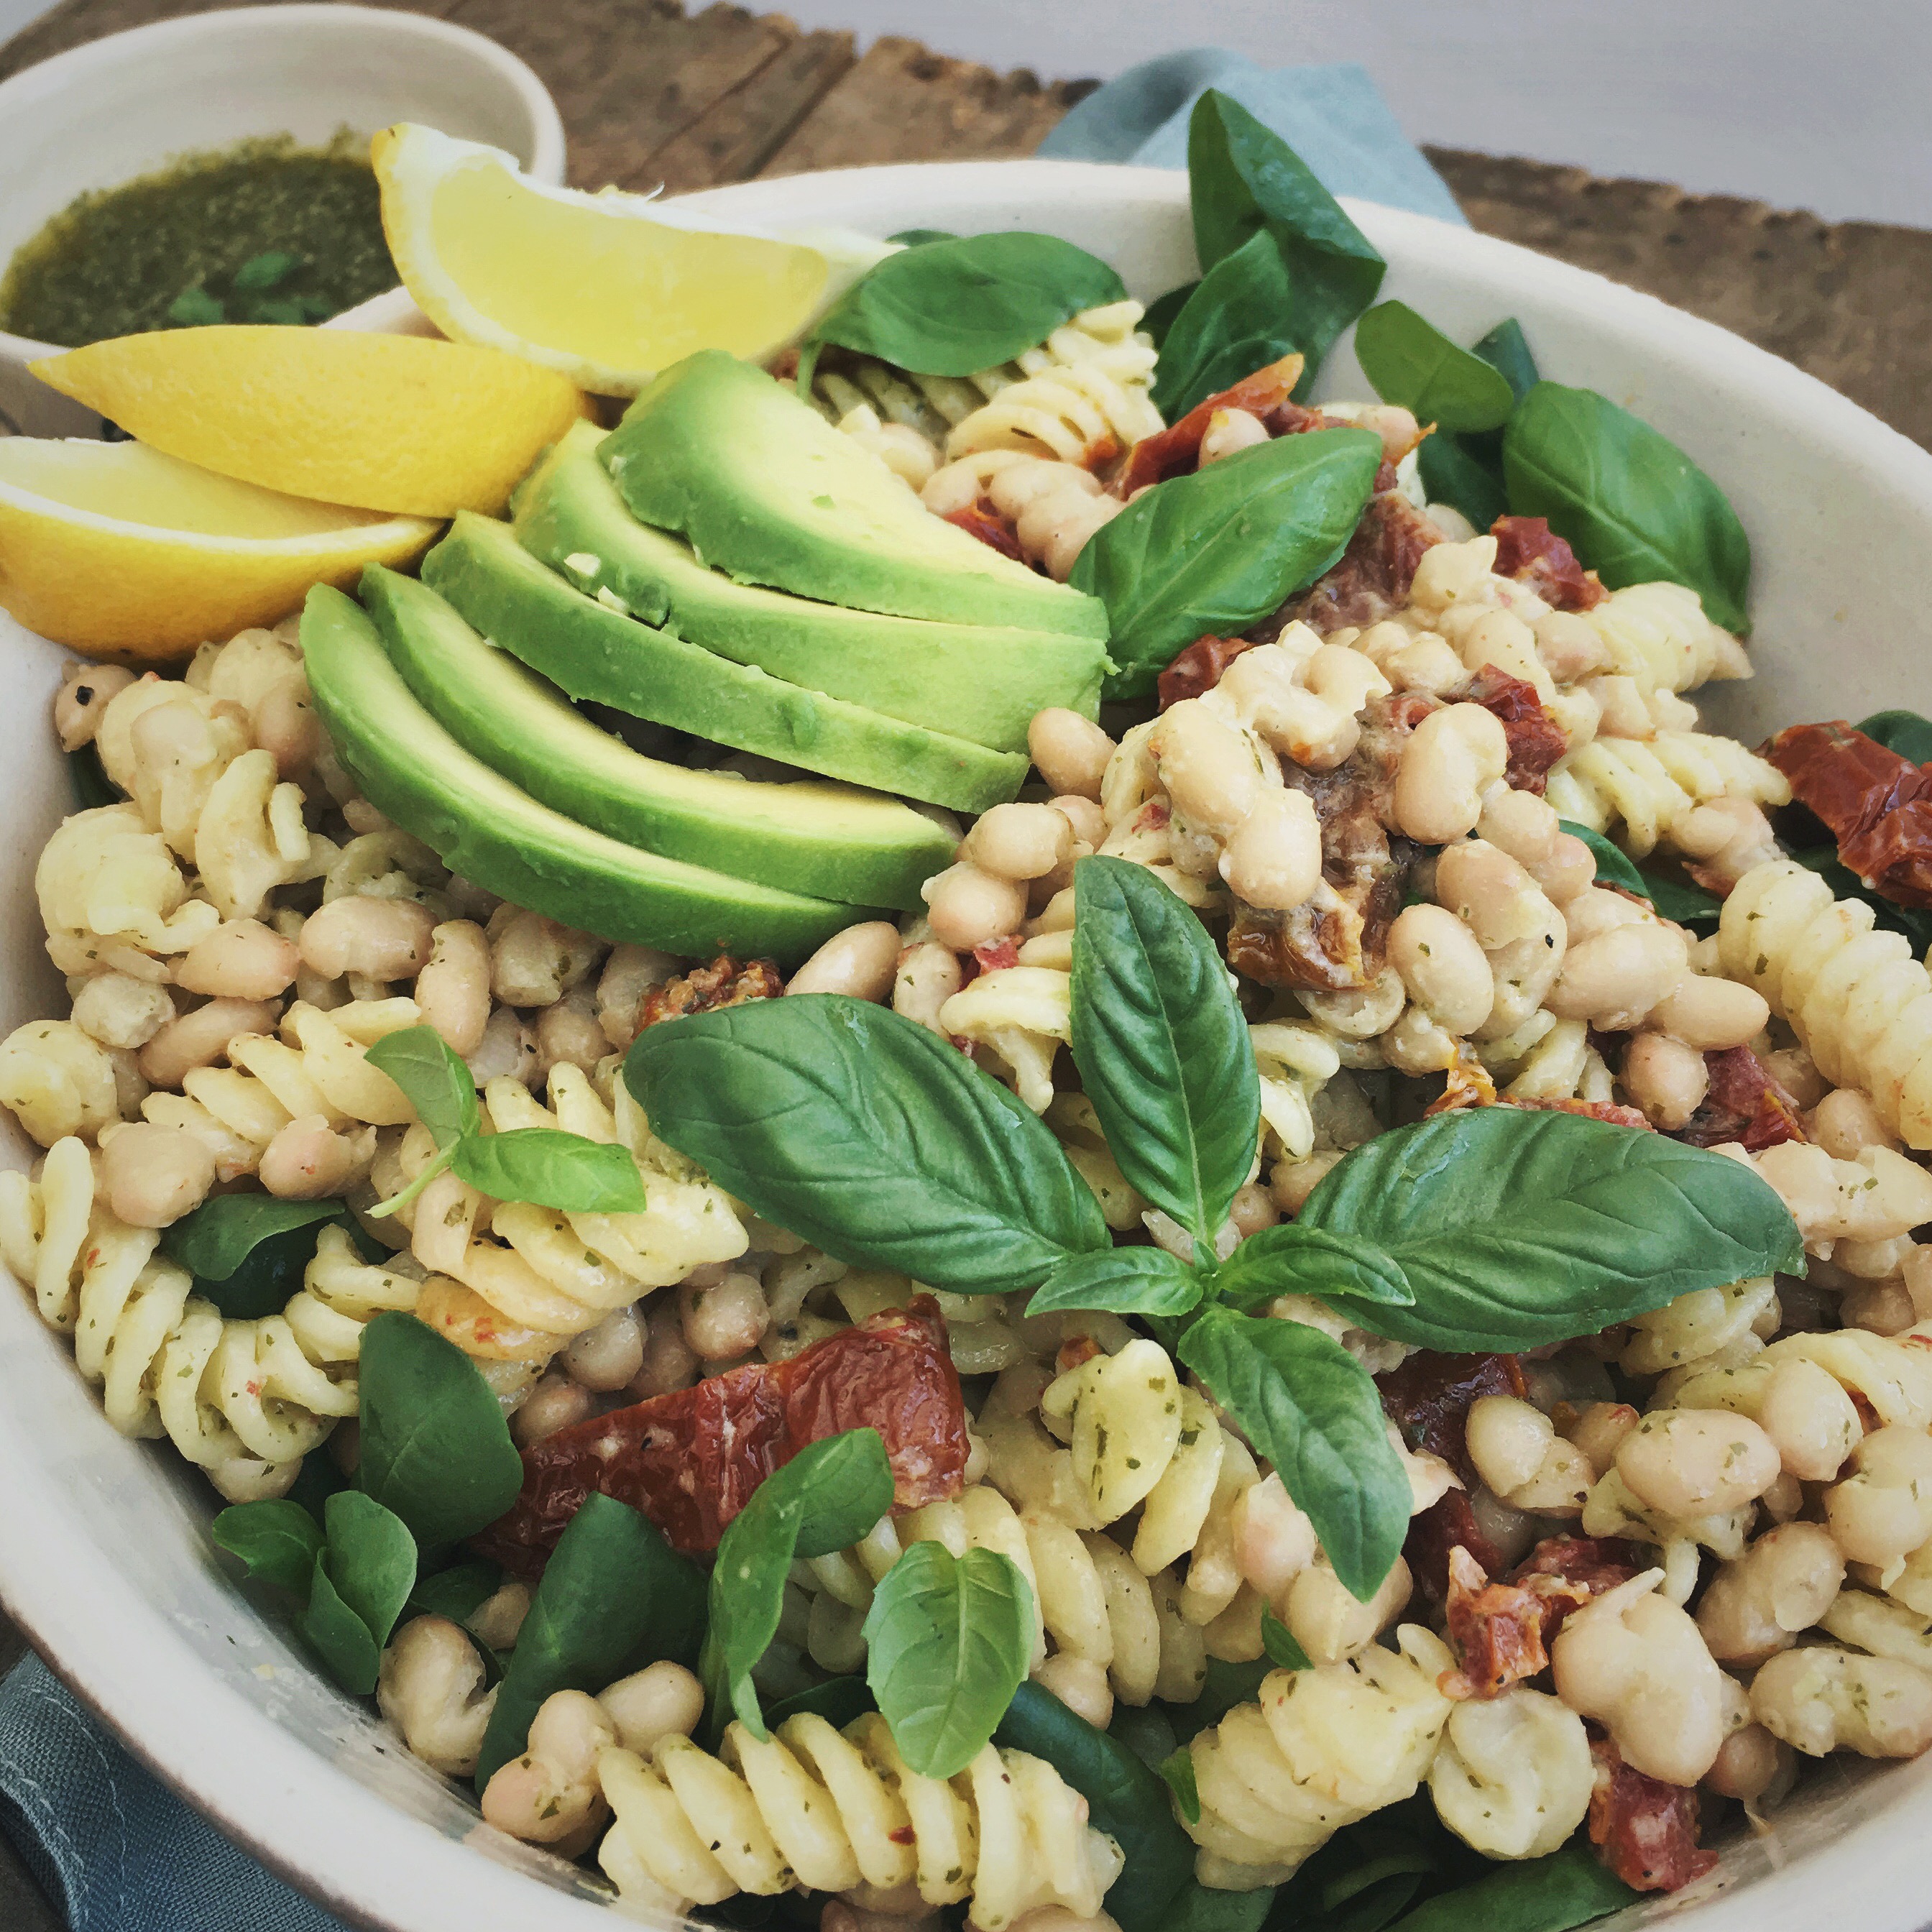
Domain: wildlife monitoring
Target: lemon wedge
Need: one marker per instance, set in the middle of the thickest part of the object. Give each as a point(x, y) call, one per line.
point(402, 424)
point(607, 289)
point(117, 551)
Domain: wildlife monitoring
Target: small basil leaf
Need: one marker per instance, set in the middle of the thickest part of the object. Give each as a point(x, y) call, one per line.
point(1291, 1259)
point(1163, 310)
point(1517, 1228)
point(436, 1083)
point(247, 1252)
point(1453, 472)
point(264, 271)
point(1124, 1798)
point(1209, 553)
point(277, 1541)
point(92, 786)
point(1673, 898)
point(1242, 177)
point(1125, 1281)
point(1628, 501)
point(457, 1593)
point(1506, 350)
point(839, 1700)
point(1904, 732)
point(1614, 867)
point(1162, 1049)
point(552, 1169)
point(1411, 361)
point(829, 1495)
point(614, 1596)
point(869, 1137)
point(1278, 1640)
point(1178, 1770)
point(372, 1560)
point(1234, 323)
point(350, 1653)
point(1568, 1888)
point(948, 1641)
point(1310, 1408)
point(955, 308)
point(435, 1447)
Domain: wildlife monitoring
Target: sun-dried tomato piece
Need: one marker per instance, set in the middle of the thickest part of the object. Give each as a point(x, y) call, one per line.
point(1877, 805)
point(995, 955)
point(1535, 740)
point(723, 983)
point(691, 1459)
point(1742, 1102)
point(1593, 1563)
point(982, 521)
point(1644, 1830)
point(1372, 581)
point(1529, 550)
point(1198, 668)
point(1447, 1525)
point(1498, 1631)
point(1171, 451)
point(1613, 1111)
point(1429, 1396)
point(1469, 1085)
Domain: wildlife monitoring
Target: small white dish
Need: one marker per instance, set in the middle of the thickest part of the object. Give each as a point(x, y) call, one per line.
point(104, 114)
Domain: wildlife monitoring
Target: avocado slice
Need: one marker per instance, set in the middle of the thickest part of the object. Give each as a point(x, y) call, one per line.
point(833, 841)
point(479, 823)
point(599, 653)
point(766, 490)
point(981, 682)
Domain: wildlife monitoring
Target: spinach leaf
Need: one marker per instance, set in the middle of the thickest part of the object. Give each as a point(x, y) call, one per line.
point(1568, 1888)
point(1411, 361)
point(350, 1653)
point(869, 1137)
point(458, 1592)
point(1162, 311)
point(1144, 1729)
point(1518, 1228)
point(1162, 1049)
point(828, 1496)
point(277, 1541)
point(1452, 473)
point(435, 1447)
point(315, 1481)
point(1127, 1281)
point(1226, 1685)
point(1200, 1908)
point(247, 1252)
point(917, 238)
point(1243, 179)
point(552, 1168)
point(372, 1561)
point(1210, 553)
point(614, 1596)
point(1124, 1799)
point(87, 777)
point(1178, 1768)
point(1687, 904)
point(436, 1083)
point(1846, 884)
point(1236, 321)
point(1278, 1640)
point(1309, 1408)
point(1290, 1259)
point(838, 1700)
point(955, 308)
point(1904, 732)
point(1630, 503)
point(1506, 350)
point(948, 1641)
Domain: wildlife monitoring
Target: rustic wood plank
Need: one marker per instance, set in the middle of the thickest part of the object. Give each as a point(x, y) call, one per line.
point(901, 102)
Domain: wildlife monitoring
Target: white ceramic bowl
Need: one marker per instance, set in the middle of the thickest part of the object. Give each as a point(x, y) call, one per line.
point(103, 1556)
point(105, 113)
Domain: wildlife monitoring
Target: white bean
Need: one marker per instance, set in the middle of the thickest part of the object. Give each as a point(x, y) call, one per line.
point(242, 959)
point(1273, 858)
point(608, 1357)
point(1883, 1510)
point(1667, 1079)
point(1071, 752)
point(928, 975)
point(1443, 967)
point(1697, 1462)
point(1756, 1605)
point(1710, 1015)
point(430, 1687)
point(385, 939)
point(452, 990)
point(153, 1175)
point(1450, 758)
point(966, 907)
point(201, 1037)
point(859, 962)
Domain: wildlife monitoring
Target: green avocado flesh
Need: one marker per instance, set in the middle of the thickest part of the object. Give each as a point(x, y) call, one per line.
point(479, 824)
point(599, 654)
point(810, 837)
point(767, 490)
point(981, 682)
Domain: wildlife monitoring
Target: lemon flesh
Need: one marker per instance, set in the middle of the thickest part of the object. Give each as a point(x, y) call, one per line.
point(607, 289)
point(117, 550)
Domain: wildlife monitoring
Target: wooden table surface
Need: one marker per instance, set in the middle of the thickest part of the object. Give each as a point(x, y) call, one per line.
point(651, 95)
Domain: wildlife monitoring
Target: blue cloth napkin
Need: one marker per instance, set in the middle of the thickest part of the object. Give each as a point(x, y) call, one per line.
point(118, 1850)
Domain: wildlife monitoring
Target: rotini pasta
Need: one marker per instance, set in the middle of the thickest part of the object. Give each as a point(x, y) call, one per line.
point(1022, 1013)
point(1646, 785)
point(1658, 635)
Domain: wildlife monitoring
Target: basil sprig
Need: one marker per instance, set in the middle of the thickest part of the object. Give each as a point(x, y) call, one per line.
point(247, 1252)
point(1674, 899)
point(1292, 1259)
point(1466, 469)
point(1211, 552)
point(1230, 323)
point(1411, 361)
point(542, 1165)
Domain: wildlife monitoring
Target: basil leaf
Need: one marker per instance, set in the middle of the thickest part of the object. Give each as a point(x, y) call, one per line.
point(1615, 866)
point(1506, 350)
point(372, 1560)
point(1846, 884)
point(1200, 1908)
point(277, 1541)
point(614, 1596)
point(88, 778)
point(1673, 898)
point(1210, 553)
point(1278, 1640)
point(1243, 178)
point(1124, 1799)
point(1127, 1281)
point(1629, 502)
point(1517, 1228)
point(1904, 732)
point(1178, 1770)
point(435, 1447)
point(552, 1168)
point(829, 1495)
point(264, 271)
point(1162, 1049)
point(436, 1083)
point(955, 308)
point(247, 1253)
point(1311, 1409)
point(341, 1638)
point(1163, 310)
point(917, 238)
point(315, 1481)
point(1411, 361)
point(457, 1593)
point(869, 1137)
point(838, 1700)
point(1234, 323)
point(1568, 1888)
point(1452, 473)
point(1290, 1259)
point(948, 1642)
point(196, 308)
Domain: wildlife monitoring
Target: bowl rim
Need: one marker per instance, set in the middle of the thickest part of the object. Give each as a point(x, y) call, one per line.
point(74, 65)
point(369, 1860)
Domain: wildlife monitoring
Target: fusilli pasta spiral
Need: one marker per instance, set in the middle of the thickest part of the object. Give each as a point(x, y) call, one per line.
point(1647, 785)
point(1658, 636)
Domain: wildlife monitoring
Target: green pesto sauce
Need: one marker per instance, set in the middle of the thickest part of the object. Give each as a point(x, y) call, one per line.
point(263, 232)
